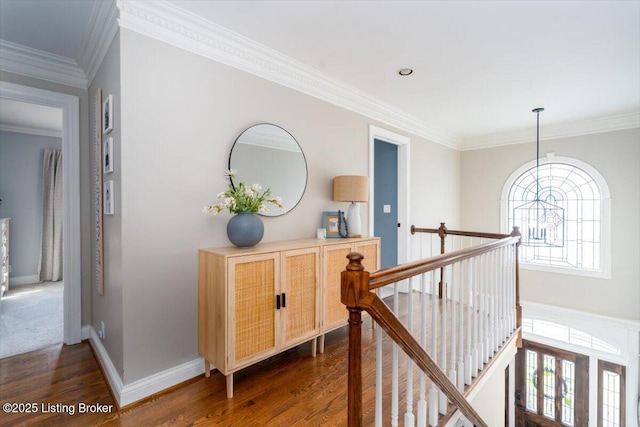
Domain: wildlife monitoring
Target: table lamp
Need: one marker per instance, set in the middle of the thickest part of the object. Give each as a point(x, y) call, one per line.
point(354, 189)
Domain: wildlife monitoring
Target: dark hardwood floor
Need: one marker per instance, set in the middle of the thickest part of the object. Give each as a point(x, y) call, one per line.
point(290, 389)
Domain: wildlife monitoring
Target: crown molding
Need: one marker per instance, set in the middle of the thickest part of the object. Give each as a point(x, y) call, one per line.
point(26, 61)
point(173, 25)
point(102, 28)
point(554, 131)
point(18, 59)
point(31, 130)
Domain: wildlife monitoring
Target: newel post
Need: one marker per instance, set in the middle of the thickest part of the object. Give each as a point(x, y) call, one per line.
point(516, 233)
point(354, 283)
point(442, 232)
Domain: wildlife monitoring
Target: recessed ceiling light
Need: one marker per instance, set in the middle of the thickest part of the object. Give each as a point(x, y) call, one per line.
point(405, 71)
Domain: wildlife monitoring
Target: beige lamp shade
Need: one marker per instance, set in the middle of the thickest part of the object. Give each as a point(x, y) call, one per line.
point(351, 188)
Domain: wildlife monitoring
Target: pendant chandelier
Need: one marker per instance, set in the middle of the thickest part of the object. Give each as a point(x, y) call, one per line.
point(541, 222)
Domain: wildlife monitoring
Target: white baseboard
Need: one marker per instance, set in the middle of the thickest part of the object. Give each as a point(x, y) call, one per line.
point(113, 378)
point(138, 390)
point(23, 280)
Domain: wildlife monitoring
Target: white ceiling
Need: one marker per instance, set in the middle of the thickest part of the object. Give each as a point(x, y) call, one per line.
point(480, 66)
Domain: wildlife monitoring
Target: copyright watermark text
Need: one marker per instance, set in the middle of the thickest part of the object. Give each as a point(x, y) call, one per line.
point(55, 408)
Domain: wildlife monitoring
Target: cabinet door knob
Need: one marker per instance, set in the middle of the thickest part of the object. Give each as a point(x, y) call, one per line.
point(277, 302)
point(284, 300)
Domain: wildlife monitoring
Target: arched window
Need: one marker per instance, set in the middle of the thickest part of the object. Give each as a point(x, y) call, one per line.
point(573, 209)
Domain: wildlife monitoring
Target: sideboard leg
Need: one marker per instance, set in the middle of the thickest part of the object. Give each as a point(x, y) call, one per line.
point(207, 369)
point(314, 346)
point(229, 386)
point(321, 344)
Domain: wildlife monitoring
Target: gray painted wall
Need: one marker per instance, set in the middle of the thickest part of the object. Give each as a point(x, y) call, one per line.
point(181, 114)
point(21, 194)
point(616, 155)
point(108, 308)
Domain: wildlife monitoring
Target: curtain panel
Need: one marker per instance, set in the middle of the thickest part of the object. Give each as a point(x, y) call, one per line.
point(51, 236)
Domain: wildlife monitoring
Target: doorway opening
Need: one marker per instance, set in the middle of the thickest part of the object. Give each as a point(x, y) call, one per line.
point(69, 105)
point(31, 310)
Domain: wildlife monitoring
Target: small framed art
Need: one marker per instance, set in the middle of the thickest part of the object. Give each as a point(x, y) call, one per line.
point(107, 114)
point(109, 196)
point(107, 156)
point(334, 223)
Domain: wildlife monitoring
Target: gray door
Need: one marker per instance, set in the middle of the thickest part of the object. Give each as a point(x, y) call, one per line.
point(385, 199)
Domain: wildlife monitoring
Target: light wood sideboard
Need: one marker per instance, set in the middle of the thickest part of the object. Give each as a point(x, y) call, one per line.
point(254, 303)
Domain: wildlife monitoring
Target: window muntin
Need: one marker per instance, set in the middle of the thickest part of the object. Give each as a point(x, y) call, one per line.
point(577, 193)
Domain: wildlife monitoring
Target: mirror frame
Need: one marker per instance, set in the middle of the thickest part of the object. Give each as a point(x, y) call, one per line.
point(304, 159)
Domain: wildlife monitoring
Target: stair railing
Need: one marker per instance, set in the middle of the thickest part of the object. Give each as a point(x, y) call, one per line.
point(483, 300)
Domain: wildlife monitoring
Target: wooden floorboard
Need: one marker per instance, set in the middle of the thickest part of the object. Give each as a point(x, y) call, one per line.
point(290, 389)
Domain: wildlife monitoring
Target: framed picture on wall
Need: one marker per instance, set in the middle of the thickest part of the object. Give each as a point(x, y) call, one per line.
point(108, 198)
point(107, 114)
point(107, 156)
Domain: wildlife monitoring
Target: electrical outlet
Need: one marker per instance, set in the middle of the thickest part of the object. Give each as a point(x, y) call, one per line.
point(103, 334)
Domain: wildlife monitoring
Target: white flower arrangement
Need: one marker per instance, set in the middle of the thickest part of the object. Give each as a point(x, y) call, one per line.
point(241, 199)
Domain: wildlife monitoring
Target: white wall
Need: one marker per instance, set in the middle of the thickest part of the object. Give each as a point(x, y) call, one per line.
point(616, 155)
point(21, 194)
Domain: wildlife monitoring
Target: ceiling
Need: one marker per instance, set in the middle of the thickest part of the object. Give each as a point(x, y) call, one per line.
point(480, 67)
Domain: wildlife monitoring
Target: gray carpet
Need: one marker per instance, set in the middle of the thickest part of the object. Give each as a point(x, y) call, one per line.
point(31, 318)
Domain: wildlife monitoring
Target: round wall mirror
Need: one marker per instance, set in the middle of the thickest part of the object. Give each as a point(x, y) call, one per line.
point(268, 155)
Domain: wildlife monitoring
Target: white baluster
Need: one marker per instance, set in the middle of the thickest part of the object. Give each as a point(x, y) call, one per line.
point(394, 367)
point(422, 403)
point(505, 293)
point(468, 358)
point(409, 420)
point(499, 300)
point(477, 330)
point(433, 391)
point(486, 344)
point(455, 278)
point(491, 342)
point(443, 339)
point(482, 281)
point(512, 269)
point(460, 366)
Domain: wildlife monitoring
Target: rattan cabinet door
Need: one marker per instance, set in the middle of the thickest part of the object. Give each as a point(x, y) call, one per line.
point(370, 249)
point(300, 312)
point(334, 262)
point(253, 282)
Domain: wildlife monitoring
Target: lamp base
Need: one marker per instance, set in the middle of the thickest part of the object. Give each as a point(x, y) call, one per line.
point(354, 225)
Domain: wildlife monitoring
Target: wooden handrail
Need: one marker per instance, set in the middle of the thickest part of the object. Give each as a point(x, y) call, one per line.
point(404, 271)
point(444, 231)
point(357, 296)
